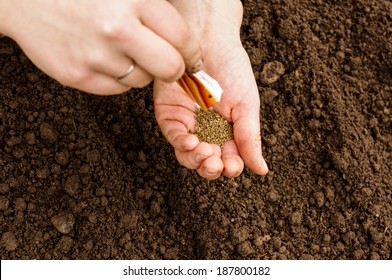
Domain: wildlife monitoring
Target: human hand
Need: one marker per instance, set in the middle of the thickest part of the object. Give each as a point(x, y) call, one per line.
point(227, 62)
point(89, 44)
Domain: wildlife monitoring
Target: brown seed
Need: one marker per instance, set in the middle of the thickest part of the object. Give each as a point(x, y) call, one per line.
point(212, 128)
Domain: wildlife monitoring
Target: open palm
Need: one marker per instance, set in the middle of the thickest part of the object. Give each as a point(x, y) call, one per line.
point(228, 63)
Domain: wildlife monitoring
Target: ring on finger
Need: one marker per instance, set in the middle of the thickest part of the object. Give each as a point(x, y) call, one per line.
point(129, 71)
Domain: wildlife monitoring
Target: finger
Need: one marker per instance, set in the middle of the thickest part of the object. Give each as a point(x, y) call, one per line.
point(166, 21)
point(166, 94)
point(137, 78)
point(211, 168)
point(117, 65)
point(96, 83)
point(232, 162)
point(175, 118)
point(248, 139)
point(154, 54)
point(193, 159)
point(181, 140)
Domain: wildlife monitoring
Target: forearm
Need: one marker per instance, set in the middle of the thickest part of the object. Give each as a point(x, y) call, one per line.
point(212, 17)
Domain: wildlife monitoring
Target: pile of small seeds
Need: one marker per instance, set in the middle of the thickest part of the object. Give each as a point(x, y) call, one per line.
point(212, 128)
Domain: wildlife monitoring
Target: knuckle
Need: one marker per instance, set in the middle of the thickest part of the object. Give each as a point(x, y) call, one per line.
point(181, 160)
point(94, 58)
point(120, 89)
point(116, 29)
point(143, 82)
point(175, 67)
point(74, 77)
point(112, 31)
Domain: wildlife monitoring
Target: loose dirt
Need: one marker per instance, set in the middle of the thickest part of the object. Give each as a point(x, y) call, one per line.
point(89, 177)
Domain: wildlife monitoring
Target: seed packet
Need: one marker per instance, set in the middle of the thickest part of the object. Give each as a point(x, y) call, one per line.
point(202, 88)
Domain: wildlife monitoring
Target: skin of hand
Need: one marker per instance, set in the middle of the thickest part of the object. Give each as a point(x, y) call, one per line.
point(217, 27)
point(88, 44)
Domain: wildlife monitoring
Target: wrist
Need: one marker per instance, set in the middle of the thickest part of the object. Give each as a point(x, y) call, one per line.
point(212, 19)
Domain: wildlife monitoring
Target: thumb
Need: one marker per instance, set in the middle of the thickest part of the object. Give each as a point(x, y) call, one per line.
point(167, 22)
point(248, 139)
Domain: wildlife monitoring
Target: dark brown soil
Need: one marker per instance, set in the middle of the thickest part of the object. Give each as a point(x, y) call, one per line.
point(88, 177)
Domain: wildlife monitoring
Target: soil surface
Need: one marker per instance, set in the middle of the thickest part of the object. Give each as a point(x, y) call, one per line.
point(89, 177)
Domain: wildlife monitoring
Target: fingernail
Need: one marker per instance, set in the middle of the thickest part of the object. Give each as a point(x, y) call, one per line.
point(197, 67)
point(263, 163)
